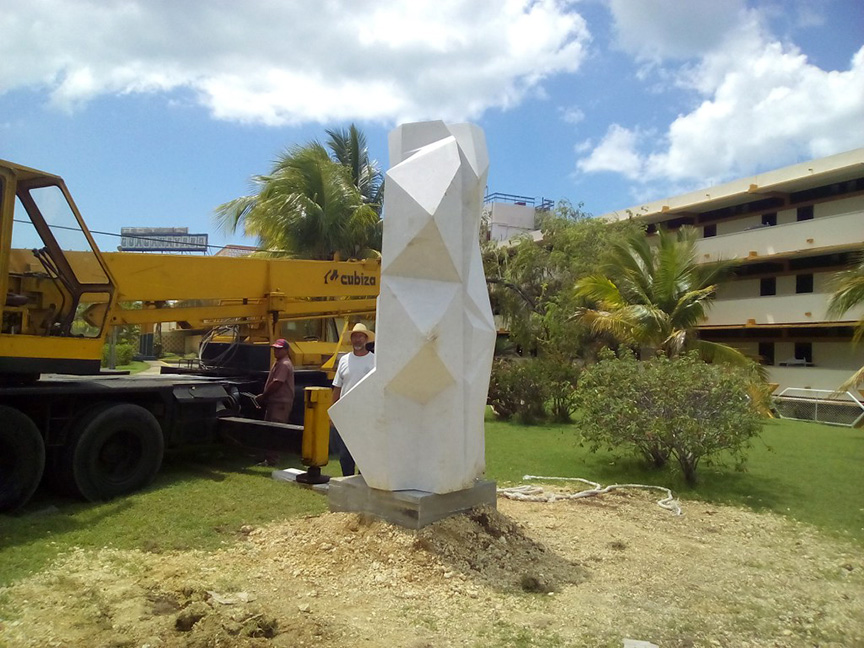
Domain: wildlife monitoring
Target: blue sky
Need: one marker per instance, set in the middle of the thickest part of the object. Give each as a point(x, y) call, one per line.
point(157, 111)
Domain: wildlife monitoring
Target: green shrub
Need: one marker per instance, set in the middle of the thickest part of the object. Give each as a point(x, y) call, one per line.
point(501, 391)
point(123, 354)
point(517, 388)
point(681, 408)
point(560, 380)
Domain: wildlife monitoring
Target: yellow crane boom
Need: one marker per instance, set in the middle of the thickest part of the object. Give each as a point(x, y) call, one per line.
point(63, 294)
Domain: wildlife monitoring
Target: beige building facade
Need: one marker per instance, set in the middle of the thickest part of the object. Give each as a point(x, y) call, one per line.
point(793, 229)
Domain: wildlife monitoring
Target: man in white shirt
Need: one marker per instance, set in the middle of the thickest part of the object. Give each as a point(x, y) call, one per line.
point(352, 367)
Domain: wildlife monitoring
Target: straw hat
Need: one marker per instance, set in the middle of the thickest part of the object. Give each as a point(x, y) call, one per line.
point(361, 328)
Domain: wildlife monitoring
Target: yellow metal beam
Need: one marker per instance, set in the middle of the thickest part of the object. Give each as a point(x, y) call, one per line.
point(164, 277)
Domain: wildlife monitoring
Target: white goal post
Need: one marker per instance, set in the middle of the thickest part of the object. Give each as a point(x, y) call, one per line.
point(820, 405)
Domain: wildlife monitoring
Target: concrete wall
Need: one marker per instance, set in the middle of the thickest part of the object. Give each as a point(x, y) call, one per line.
point(837, 224)
point(790, 216)
point(833, 363)
point(738, 302)
point(778, 310)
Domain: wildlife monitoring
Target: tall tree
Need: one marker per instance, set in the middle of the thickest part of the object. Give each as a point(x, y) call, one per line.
point(849, 294)
point(655, 294)
point(530, 283)
point(312, 205)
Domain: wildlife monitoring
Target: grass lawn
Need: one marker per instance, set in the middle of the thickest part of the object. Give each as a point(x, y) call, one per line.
point(807, 471)
point(201, 499)
point(133, 367)
point(196, 502)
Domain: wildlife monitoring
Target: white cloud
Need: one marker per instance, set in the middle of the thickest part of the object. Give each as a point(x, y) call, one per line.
point(288, 62)
point(572, 114)
point(660, 29)
point(616, 152)
point(763, 105)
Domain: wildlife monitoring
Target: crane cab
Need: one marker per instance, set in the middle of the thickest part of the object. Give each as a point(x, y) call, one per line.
point(57, 290)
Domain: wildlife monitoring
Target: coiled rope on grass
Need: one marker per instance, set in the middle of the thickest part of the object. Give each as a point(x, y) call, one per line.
point(529, 493)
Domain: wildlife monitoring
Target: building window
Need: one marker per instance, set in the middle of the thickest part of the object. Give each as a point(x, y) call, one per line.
point(805, 213)
point(766, 353)
point(709, 230)
point(804, 351)
point(768, 286)
point(804, 283)
point(769, 219)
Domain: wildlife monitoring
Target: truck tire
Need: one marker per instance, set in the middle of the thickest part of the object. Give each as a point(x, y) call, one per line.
point(22, 458)
point(115, 449)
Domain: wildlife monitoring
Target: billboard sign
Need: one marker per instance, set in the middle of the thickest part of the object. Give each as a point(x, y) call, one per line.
point(161, 239)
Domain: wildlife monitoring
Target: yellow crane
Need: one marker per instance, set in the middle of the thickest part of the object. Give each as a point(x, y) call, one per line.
point(102, 437)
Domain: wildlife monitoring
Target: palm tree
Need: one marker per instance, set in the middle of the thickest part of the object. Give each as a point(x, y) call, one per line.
point(849, 293)
point(655, 296)
point(348, 147)
point(312, 205)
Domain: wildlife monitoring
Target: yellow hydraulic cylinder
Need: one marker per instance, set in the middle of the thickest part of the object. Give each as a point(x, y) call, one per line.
point(316, 426)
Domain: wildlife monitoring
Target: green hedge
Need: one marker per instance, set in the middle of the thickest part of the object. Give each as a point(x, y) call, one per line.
point(123, 354)
point(682, 408)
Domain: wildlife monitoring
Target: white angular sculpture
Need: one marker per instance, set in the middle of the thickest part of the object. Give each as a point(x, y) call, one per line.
point(416, 421)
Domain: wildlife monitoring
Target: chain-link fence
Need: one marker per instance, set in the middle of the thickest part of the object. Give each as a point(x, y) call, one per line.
point(820, 405)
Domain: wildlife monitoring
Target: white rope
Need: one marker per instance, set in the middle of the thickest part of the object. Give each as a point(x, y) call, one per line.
point(536, 493)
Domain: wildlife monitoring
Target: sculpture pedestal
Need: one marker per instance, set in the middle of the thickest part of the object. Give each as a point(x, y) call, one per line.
point(412, 509)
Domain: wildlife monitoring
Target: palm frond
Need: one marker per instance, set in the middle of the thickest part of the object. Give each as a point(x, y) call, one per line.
point(689, 308)
point(848, 291)
point(853, 382)
point(599, 290)
point(614, 323)
point(676, 343)
point(725, 354)
point(349, 148)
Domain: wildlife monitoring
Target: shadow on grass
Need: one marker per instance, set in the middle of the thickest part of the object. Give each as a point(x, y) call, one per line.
point(51, 514)
point(725, 485)
point(202, 498)
point(719, 484)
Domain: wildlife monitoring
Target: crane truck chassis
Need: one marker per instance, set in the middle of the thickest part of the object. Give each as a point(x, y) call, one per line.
point(99, 436)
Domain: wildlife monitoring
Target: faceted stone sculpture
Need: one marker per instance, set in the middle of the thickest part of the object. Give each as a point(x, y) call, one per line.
point(416, 421)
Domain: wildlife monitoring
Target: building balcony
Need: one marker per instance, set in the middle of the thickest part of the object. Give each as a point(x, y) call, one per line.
point(817, 236)
point(781, 310)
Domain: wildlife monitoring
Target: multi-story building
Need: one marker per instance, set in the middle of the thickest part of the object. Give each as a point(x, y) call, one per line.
point(793, 229)
point(509, 216)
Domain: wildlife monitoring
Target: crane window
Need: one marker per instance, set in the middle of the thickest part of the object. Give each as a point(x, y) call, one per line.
point(68, 233)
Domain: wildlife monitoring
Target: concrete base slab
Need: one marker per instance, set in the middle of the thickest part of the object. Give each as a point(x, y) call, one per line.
point(412, 509)
point(290, 475)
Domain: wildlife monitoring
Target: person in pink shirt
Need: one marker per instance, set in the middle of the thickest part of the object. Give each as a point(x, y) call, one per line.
point(278, 394)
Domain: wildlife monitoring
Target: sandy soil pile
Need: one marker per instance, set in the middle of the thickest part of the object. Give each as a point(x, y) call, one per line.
point(577, 573)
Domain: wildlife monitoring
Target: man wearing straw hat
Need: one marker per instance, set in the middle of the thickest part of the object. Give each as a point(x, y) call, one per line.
point(352, 367)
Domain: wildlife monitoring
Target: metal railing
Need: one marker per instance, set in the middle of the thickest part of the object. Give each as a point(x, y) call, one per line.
point(820, 405)
point(543, 204)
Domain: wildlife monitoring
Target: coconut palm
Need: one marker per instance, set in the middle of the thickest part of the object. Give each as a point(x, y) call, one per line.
point(655, 295)
point(849, 293)
point(348, 147)
point(310, 204)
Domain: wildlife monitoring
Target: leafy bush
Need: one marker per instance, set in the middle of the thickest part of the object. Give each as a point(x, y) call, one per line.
point(517, 388)
point(681, 408)
point(560, 378)
point(123, 354)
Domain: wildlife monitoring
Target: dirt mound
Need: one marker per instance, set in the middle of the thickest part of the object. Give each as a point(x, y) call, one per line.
point(586, 572)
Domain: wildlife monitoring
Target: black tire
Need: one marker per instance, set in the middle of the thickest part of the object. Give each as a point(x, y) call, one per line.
point(22, 458)
point(19, 379)
point(115, 449)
